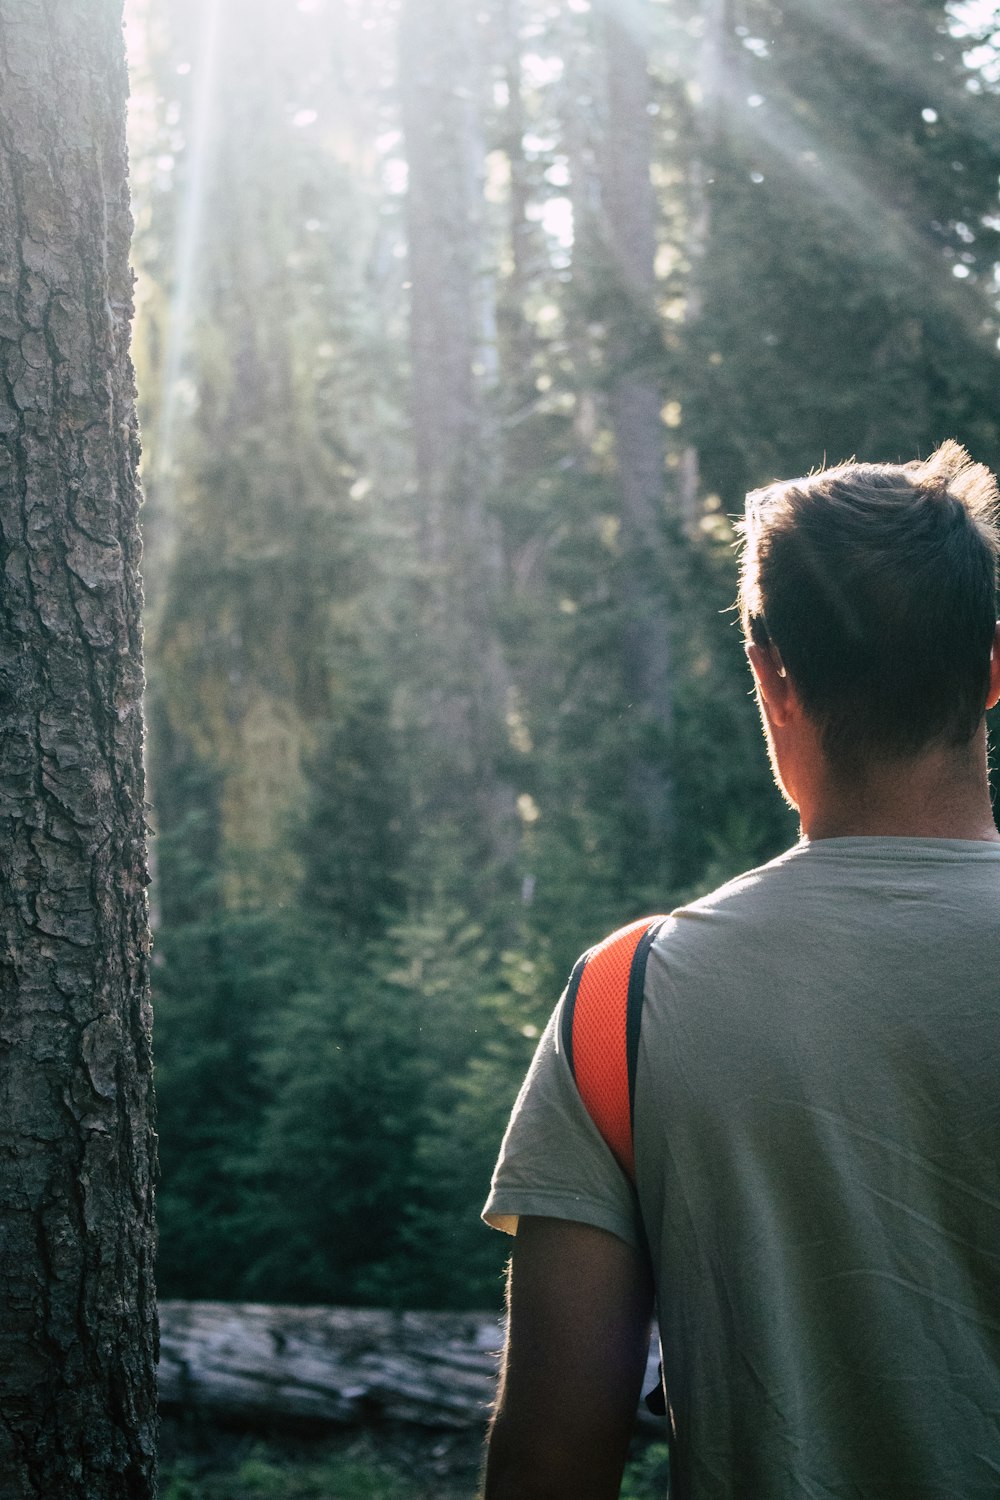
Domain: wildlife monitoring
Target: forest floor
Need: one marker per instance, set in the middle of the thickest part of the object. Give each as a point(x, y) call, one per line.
point(203, 1462)
point(199, 1461)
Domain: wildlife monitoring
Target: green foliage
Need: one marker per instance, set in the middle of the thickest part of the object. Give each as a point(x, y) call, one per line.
point(354, 831)
point(478, 1020)
point(336, 1140)
point(344, 1478)
point(843, 200)
point(728, 814)
point(215, 983)
point(647, 1476)
point(353, 1471)
point(266, 1475)
point(329, 1115)
point(349, 979)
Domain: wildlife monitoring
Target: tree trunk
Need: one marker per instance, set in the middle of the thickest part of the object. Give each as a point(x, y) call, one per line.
point(628, 223)
point(460, 541)
point(77, 1337)
point(705, 107)
point(238, 640)
point(334, 1366)
point(517, 329)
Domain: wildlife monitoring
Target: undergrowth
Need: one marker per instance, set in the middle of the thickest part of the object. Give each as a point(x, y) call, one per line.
point(267, 1472)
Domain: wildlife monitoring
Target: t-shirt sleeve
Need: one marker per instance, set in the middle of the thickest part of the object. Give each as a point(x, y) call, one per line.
point(553, 1161)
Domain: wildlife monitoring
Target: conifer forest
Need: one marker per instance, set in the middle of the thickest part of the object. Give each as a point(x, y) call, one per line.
point(462, 329)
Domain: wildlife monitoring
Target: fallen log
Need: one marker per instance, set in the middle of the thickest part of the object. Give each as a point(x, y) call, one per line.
point(331, 1366)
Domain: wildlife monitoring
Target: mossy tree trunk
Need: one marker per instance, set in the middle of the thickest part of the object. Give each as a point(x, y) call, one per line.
point(77, 1335)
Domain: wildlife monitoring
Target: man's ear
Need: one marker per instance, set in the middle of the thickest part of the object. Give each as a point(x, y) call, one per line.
point(993, 696)
point(773, 682)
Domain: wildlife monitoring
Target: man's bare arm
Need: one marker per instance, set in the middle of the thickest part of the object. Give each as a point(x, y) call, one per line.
point(580, 1303)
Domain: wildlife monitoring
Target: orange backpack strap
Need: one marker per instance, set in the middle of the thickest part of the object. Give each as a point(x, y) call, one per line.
point(601, 1017)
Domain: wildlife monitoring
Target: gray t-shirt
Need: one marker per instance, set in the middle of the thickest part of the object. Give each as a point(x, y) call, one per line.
point(817, 1134)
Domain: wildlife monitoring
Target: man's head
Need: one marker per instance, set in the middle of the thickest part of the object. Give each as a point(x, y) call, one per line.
point(874, 587)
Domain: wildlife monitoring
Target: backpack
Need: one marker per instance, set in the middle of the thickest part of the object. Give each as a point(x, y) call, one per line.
point(601, 1017)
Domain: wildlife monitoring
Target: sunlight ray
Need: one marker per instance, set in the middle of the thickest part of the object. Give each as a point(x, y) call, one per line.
point(824, 172)
point(187, 242)
point(857, 27)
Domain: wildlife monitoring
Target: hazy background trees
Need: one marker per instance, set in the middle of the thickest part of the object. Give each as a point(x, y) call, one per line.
point(462, 331)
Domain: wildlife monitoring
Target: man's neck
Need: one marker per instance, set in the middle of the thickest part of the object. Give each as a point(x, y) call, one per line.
point(941, 795)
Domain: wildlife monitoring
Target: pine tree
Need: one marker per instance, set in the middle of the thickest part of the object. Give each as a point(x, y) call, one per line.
point(845, 290)
point(451, 344)
point(77, 1339)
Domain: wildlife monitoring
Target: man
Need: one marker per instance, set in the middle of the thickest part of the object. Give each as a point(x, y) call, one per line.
point(817, 1103)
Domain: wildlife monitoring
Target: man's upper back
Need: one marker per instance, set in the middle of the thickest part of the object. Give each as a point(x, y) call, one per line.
point(817, 1130)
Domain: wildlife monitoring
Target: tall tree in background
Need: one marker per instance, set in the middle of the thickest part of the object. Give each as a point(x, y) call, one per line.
point(449, 318)
point(78, 1330)
point(279, 829)
point(847, 300)
point(628, 231)
point(516, 335)
point(263, 535)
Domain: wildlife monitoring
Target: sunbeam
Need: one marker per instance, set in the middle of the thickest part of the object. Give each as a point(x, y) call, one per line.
point(855, 26)
point(188, 239)
point(827, 172)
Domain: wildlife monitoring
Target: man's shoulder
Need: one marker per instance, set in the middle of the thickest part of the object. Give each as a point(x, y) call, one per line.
point(743, 909)
point(820, 893)
point(748, 889)
point(856, 867)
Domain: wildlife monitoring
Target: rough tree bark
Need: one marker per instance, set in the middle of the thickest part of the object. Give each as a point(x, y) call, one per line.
point(77, 1335)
